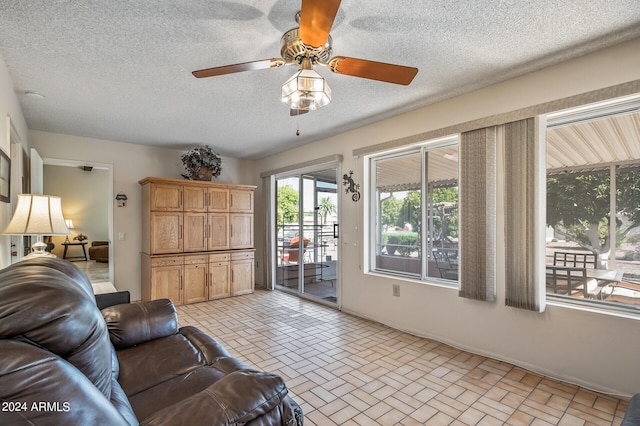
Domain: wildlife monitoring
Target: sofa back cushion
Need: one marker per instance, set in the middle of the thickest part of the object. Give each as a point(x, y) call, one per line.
point(136, 323)
point(48, 303)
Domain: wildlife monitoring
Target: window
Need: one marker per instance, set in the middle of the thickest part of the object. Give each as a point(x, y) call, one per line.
point(593, 205)
point(414, 211)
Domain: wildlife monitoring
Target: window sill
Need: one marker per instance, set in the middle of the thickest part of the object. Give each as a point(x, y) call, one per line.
point(436, 282)
point(596, 307)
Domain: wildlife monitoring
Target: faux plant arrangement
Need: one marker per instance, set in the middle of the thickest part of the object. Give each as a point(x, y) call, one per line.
point(201, 163)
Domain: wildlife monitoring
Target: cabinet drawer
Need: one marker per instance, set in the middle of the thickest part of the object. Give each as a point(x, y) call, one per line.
point(193, 260)
point(167, 261)
point(242, 255)
point(219, 257)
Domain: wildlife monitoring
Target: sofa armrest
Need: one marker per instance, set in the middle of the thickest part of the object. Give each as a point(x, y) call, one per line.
point(235, 399)
point(104, 300)
point(136, 323)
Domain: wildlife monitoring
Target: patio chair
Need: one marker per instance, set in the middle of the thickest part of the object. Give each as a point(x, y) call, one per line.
point(621, 292)
point(447, 263)
point(294, 252)
point(584, 260)
point(571, 281)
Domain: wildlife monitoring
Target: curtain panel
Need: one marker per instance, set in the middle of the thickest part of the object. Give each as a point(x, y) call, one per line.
point(525, 213)
point(478, 214)
point(267, 260)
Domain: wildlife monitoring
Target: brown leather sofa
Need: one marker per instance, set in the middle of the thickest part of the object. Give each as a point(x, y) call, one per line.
point(62, 361)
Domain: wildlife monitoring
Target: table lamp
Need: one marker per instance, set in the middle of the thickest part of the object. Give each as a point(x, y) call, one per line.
point(37, 215)
point(69, 224)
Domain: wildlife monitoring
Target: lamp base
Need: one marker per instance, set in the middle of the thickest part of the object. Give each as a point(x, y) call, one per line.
point(34, 255)
point(38, 250)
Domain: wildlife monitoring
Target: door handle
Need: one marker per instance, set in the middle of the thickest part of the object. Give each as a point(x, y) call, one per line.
point(336, 230)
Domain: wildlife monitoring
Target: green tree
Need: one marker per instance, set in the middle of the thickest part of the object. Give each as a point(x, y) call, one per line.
point(445, 213)
point(287, 205)
point(447, 194)
point(390, 211)
point(325, 208)
point(578, 205)
point(410, 211)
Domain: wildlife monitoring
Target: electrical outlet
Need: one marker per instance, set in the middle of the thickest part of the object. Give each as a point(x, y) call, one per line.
point(396, 290)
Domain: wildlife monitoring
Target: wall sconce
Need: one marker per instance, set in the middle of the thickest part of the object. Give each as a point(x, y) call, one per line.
point(121, 198)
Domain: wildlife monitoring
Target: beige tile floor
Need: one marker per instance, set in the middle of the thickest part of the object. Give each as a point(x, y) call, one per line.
point(95, 271)
point(344, 370)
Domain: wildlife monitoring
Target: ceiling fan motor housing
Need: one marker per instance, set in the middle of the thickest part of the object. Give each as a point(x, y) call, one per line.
point(293, 50)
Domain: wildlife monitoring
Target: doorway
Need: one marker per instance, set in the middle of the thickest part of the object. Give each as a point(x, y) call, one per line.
point(307, 232)
point(87, 204)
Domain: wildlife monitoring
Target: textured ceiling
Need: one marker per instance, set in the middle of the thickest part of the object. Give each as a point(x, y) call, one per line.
point(121, 70)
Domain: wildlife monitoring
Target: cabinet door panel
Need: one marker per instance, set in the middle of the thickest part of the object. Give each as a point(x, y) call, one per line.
point(218, 231)
point(240, 201)
point(194, 199)
point(241, 231)
point(219, 283)
point(166, 232)
point(195, 283)
point(166, 283)
point(166, 197)
point(195, 238)
point(242, 277)
point(218, 200)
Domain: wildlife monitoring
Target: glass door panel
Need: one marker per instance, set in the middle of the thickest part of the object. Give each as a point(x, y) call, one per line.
point(320, 224)
point(287, 230)
point(307, 234)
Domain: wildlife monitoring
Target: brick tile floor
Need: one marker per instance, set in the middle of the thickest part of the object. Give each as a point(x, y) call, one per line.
point(345, 370)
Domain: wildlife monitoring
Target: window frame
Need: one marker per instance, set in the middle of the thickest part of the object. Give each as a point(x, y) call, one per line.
point(580, 114)
point(372, 229)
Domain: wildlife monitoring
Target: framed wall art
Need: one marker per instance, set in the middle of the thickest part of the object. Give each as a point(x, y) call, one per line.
point(5, 177)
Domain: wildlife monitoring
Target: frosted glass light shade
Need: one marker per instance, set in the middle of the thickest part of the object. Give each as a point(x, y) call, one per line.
point(306, 90)
point(69, 223)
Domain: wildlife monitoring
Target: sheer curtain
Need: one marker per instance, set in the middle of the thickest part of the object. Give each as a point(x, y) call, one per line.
point(267, 261)
point(478, 214)
point(525, 212)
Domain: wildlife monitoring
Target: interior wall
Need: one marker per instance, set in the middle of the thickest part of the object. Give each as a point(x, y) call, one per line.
point(9, 107)
point(84, 200)
point(588, 348)
point(131, 163)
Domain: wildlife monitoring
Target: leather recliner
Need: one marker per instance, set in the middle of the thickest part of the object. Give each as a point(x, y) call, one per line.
point(62, 361)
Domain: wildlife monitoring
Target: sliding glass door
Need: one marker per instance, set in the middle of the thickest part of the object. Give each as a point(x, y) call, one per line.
point(306, 244)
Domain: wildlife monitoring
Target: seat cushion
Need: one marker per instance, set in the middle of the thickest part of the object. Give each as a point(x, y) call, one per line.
point(149, 364)
point(176, 389)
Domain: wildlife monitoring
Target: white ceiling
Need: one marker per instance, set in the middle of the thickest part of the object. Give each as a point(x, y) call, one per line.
point(121, 70)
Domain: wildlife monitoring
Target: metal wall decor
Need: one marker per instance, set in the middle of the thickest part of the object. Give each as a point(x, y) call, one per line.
point(351, 186)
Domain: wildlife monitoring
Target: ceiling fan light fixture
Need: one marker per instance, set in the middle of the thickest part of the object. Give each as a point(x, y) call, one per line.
point(306, 90)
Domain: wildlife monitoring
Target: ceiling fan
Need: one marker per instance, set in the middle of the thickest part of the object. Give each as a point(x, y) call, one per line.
point(308, 45)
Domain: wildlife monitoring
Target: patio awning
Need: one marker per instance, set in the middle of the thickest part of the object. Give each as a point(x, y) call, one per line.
point(403, 173)
point(583, 145)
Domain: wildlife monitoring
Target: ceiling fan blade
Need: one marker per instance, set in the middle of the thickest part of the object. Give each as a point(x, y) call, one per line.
point(316, 20)
point(372, 70)
point(245, 66)
point(294, 112)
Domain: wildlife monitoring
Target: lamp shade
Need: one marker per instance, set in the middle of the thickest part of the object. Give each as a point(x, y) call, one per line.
point(37, 215)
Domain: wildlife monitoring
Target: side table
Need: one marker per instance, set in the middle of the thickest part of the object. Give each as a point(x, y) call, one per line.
point(79, 243)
